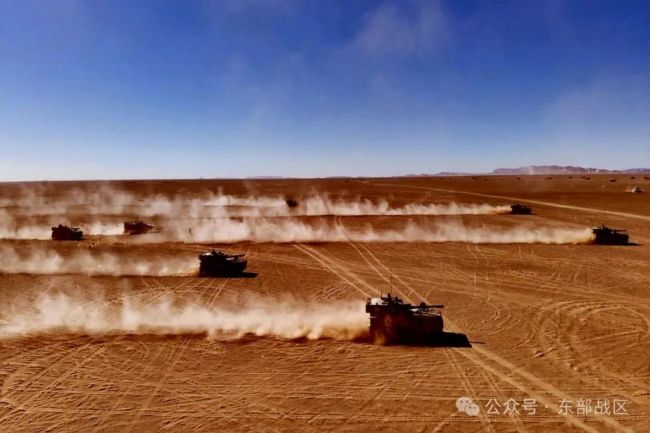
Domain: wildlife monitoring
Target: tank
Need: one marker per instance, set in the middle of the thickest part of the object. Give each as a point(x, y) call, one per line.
point(520, 209)
point(218, 264)
point(606, 236)
point(392, 321)
point(637, 190)
point(65, 233)
point(291, 203)
point(137, 227)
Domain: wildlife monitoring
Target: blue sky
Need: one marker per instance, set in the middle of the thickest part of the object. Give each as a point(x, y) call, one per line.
point(236, 88)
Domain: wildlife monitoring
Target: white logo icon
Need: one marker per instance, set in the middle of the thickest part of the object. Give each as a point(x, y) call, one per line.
point(467, 405)
point(472, 409)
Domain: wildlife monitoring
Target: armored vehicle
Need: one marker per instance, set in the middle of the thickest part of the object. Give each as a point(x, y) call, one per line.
point(137, 227)
point(291, 203)
point(65, 233)
point(520, 209)
point(394, 321)
point(606, 236)
point(218, 264)
point(637, 190)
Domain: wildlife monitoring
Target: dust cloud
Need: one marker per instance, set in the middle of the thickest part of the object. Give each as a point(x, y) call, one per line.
point(107, 201)
point(269, 230)
point(283, 318)
point(293, 231)
point(323, 205)
point(223, 218)
point(32, 260)
point(12, 227)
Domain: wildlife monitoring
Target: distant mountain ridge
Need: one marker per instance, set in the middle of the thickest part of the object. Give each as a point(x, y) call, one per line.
point(539, 170)
point(530, 170)
point(567, 169)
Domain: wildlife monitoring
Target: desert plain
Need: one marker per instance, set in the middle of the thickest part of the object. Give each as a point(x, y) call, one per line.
point(119, 333)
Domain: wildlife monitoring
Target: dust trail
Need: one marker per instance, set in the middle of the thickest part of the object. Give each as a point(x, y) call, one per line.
point(288, 318)
point(32, 260)
point(323, 205)
point(44, 231)
point(102, 229)
point(12, 227)
point(107, 201)
point(289, 231)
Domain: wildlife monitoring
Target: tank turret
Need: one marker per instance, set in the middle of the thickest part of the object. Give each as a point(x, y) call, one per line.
point(394, 321)
point(137, 227)
point(65, 233)
point(520, 209)
point(603, 235)
point(218, 264)
point(291, 203)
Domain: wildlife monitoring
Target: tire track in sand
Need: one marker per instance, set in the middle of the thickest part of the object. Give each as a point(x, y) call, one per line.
point(486, 362)
point(57, 379)
point(451, 355)
point(467, 385)
point(154, 293)
point(331, 266)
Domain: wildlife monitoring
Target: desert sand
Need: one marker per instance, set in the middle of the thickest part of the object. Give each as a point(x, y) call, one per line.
point(118, 333)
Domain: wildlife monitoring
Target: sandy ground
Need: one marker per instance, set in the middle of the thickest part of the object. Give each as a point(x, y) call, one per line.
point(557, 325)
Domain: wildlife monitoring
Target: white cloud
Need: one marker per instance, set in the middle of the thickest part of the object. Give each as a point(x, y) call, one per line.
point(608, 97)
point(245, 6)
point(602, 122)
point(390, 30)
